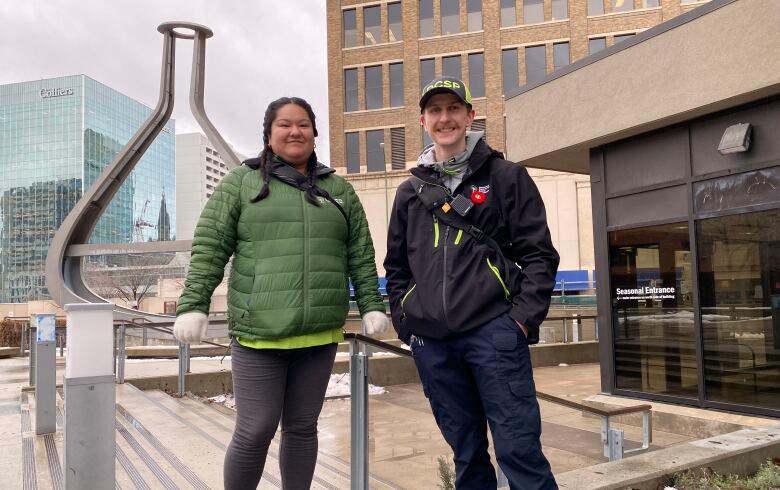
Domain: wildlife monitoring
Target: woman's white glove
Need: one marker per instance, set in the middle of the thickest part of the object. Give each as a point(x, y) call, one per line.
point(375, 322)
point(190, 327)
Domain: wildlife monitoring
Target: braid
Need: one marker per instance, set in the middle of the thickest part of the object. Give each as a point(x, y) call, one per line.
point(265, 170)
point(311, 166)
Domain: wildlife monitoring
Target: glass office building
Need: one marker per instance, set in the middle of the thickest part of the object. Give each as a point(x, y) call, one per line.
point(56, 136)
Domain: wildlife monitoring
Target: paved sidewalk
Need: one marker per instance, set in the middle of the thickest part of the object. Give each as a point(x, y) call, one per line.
point(404, 440)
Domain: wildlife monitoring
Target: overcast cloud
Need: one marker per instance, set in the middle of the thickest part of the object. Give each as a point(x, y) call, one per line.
point(261, 50)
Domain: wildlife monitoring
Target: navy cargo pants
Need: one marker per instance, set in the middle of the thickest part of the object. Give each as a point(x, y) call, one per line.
point(479, 378)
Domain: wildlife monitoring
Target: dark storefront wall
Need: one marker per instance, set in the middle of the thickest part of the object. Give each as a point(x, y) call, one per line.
point(688, 260)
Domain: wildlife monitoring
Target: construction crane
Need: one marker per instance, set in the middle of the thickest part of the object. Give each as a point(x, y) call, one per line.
point(140, 224)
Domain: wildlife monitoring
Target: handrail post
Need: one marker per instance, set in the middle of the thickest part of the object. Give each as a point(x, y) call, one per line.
point(605, 434)
point(120, 368)
point(23, 341)
point(33, 353)
point(184, 358)
point(615, 444)
point(358, 377)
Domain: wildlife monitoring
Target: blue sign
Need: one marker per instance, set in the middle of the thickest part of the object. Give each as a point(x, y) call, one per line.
point(45, 328)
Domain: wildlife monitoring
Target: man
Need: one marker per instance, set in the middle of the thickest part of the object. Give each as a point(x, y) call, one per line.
point(470, 270)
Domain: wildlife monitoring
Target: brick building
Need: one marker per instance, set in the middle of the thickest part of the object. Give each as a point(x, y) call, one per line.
point(380, 53)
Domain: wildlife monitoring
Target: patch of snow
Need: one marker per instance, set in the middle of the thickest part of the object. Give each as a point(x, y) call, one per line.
point(338, 387)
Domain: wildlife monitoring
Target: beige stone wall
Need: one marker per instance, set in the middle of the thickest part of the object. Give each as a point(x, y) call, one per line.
point(567, 197)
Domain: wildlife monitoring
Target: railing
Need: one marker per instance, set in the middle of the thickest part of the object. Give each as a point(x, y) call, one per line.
point(612, 439)
point(120, 351)
point(575, 323)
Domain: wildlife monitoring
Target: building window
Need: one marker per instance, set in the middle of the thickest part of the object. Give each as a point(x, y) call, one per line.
point(169, 307)
point(739, 290)
point(350, 28)
point(375, 152)
point(560, 9)
point(426, 18)
point(474, 15)
point(509, 69)
point(477, 74)
point(450, 16)
point(595, 7)
point(398, 148)
point(374, 99)
point(450, 66)
point(394, 23)
point(396, 84)
point(596, 44)
point(350, 90)
point(533, 11)
point(353, 153)
point(372, 25)
point(623, 37)
point(649, 4)
point(427, 71)
point(622, 5)
point(560, 55)
point(652, 310)
point(535, 63)
point(508, 13)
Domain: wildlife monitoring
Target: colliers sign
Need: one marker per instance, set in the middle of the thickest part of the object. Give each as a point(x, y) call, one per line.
point(45, 93)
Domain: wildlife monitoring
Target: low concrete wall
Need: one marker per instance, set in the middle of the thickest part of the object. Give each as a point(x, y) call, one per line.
point(8, 352)
point(740, 452)
point(554, 354)
point(383, 370)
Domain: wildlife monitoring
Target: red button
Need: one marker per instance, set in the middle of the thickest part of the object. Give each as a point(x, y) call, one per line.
point(478, 197)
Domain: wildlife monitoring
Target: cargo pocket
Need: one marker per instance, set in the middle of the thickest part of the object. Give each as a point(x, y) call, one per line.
point(505, 345)
point(527, 422)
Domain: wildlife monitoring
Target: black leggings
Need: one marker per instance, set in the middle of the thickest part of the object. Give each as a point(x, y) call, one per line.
point(269, 385)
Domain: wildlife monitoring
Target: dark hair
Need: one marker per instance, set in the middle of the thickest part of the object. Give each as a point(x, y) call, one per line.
point(267, 154)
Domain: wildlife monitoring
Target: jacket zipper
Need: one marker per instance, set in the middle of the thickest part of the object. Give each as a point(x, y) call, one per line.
point(403, 300)
point(444, 277)
point(497, 273)
point(249, 301)
point(305, 261)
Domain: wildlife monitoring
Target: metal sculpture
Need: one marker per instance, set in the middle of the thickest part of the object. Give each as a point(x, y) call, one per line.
point(69, 245)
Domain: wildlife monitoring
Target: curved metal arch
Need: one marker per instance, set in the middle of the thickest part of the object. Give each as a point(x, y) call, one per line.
point(63, 261)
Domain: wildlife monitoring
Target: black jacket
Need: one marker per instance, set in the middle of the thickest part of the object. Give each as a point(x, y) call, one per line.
point(443, 282)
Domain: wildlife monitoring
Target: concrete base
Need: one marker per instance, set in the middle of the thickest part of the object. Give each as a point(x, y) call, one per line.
point(89, 432)
point(740, 452)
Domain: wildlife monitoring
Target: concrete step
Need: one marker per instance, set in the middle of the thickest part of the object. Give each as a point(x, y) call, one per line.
point(219, 424)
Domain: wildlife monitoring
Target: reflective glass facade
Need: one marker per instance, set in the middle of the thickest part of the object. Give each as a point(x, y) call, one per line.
point(56, 137)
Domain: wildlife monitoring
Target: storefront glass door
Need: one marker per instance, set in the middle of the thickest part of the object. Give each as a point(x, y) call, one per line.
point(739, 282)
point(652, 310)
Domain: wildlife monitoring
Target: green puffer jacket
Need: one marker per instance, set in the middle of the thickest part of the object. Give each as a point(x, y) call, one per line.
point(292, 259)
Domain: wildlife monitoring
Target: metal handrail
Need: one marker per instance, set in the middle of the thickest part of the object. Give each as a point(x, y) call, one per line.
point(184, 351)
point(612, 439)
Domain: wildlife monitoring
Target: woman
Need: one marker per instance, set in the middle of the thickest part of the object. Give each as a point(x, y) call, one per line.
point(299, 233)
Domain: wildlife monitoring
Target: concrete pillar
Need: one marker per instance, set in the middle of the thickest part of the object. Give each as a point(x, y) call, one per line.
point(45, 374)
point(89, 397)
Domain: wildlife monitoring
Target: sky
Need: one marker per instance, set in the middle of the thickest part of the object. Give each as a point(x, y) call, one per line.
point(261, 50)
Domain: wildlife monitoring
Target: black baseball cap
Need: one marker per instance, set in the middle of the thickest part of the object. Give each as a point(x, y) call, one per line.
point(445, 85)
